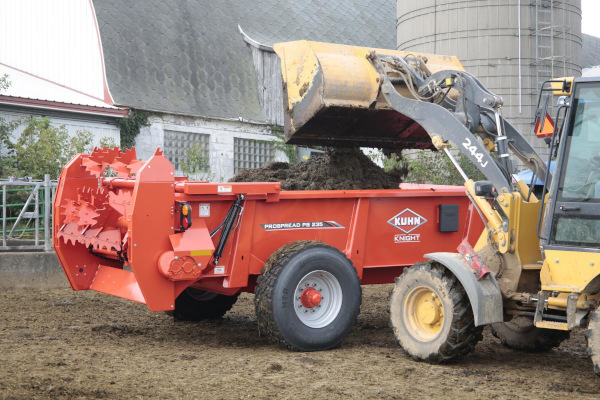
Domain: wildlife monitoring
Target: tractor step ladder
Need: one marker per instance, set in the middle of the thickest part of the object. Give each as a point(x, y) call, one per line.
point(539, 320)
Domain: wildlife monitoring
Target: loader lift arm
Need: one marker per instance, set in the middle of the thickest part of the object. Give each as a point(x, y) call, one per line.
point(476, 110)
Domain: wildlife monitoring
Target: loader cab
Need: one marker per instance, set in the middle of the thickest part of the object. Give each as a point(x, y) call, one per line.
point(572, 215)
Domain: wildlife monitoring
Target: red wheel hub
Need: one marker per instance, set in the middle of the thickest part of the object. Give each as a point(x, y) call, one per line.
point(310, 297)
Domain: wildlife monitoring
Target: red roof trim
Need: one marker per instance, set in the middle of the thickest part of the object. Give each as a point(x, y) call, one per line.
point(78, 108)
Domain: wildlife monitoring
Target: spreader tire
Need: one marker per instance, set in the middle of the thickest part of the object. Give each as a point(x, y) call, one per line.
point(197, 305)
point(521, 334)
point(592, 335)
point(307, 296)
point(431, 315)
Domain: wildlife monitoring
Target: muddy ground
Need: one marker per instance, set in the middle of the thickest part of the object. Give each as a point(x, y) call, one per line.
point(65, 344)
point(336, 169)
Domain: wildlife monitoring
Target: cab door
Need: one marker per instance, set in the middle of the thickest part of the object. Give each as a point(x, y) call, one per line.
point(576, 205)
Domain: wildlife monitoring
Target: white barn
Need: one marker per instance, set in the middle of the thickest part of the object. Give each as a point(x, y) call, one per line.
point(87, 63)
point(51, 53)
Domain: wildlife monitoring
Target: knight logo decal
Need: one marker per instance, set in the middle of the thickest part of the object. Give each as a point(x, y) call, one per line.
point(407, 221)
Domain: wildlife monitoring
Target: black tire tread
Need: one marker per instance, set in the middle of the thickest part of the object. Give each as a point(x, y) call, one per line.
point(188, 309)
point(463, 335)
point(263, 299)
point(592, 336)
point(536, 340)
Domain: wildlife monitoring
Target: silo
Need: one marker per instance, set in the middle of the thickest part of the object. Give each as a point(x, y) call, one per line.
point(510, 45)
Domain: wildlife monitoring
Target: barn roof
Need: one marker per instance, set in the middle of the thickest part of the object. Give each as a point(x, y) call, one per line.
point(188, 57)
point(591, 51)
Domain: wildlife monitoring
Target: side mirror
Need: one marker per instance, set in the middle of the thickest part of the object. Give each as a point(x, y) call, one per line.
point(485, 189)
point(562, 86)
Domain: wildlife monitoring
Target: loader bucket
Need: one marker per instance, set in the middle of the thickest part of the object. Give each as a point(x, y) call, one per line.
point(331, 97)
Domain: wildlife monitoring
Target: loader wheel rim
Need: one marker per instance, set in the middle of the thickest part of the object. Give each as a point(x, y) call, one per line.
point(318, 299)
point(423, 313)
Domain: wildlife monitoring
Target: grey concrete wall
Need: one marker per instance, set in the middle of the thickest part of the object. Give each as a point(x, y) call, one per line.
point(31, 270)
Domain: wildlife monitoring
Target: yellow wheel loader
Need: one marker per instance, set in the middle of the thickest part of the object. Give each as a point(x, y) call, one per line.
point(534, 274)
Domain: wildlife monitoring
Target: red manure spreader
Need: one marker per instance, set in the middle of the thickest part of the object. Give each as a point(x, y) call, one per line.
point(191, 247)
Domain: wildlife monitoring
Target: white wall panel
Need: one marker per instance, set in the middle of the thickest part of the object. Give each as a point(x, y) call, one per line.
point(56, 40)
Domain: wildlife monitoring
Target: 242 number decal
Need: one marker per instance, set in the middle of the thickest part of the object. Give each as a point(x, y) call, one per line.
point(473, 150)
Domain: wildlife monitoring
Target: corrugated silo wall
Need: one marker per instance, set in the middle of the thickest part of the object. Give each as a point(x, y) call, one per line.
point(484, 34)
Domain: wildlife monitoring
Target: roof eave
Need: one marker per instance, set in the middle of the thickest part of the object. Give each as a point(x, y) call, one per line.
point(57, 106)
point(160, 112)
point(255, 43)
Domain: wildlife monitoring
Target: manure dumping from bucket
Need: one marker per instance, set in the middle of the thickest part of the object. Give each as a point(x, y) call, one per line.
point(331, 97)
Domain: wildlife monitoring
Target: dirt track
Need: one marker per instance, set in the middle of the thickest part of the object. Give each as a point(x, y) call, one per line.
point(64, 344)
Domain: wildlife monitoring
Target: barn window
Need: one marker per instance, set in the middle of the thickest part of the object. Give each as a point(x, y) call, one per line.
point(176, 144)
point(249, 153)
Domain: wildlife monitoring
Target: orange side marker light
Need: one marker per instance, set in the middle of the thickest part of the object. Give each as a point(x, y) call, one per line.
point(185, 216)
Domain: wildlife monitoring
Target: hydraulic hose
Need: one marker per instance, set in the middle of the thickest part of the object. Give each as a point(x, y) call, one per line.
point(227, 225)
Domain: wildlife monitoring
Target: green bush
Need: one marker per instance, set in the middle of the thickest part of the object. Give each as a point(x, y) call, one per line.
point(290, 150)
point(41, 149)
point(432, 167)
point(435, 167)
point(107, 142)
point(196, 166)
point(130, 127)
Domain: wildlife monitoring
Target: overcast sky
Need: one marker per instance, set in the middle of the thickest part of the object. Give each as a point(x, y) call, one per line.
point(590, 11)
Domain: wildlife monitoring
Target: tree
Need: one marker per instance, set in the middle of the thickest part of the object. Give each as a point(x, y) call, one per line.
point(107, 142)
point(435, 167)
point(196, 166)
point(6, 129)
point(42, 149)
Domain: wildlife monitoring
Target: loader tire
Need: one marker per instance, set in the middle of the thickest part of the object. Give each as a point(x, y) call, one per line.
point(197, 305)
point(431, 315)
point(521, 334)
point(592, 336)
point(308, 296)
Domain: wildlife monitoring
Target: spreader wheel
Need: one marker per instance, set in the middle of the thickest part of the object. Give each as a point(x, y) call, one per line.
point(521, 334)
point(431, 315)
point(196, 305)
point(307, 296)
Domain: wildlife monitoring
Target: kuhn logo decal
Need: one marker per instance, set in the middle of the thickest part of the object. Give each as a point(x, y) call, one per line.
point(407, 221)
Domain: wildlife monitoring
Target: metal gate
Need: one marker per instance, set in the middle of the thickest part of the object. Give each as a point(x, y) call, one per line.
point(27, 214)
